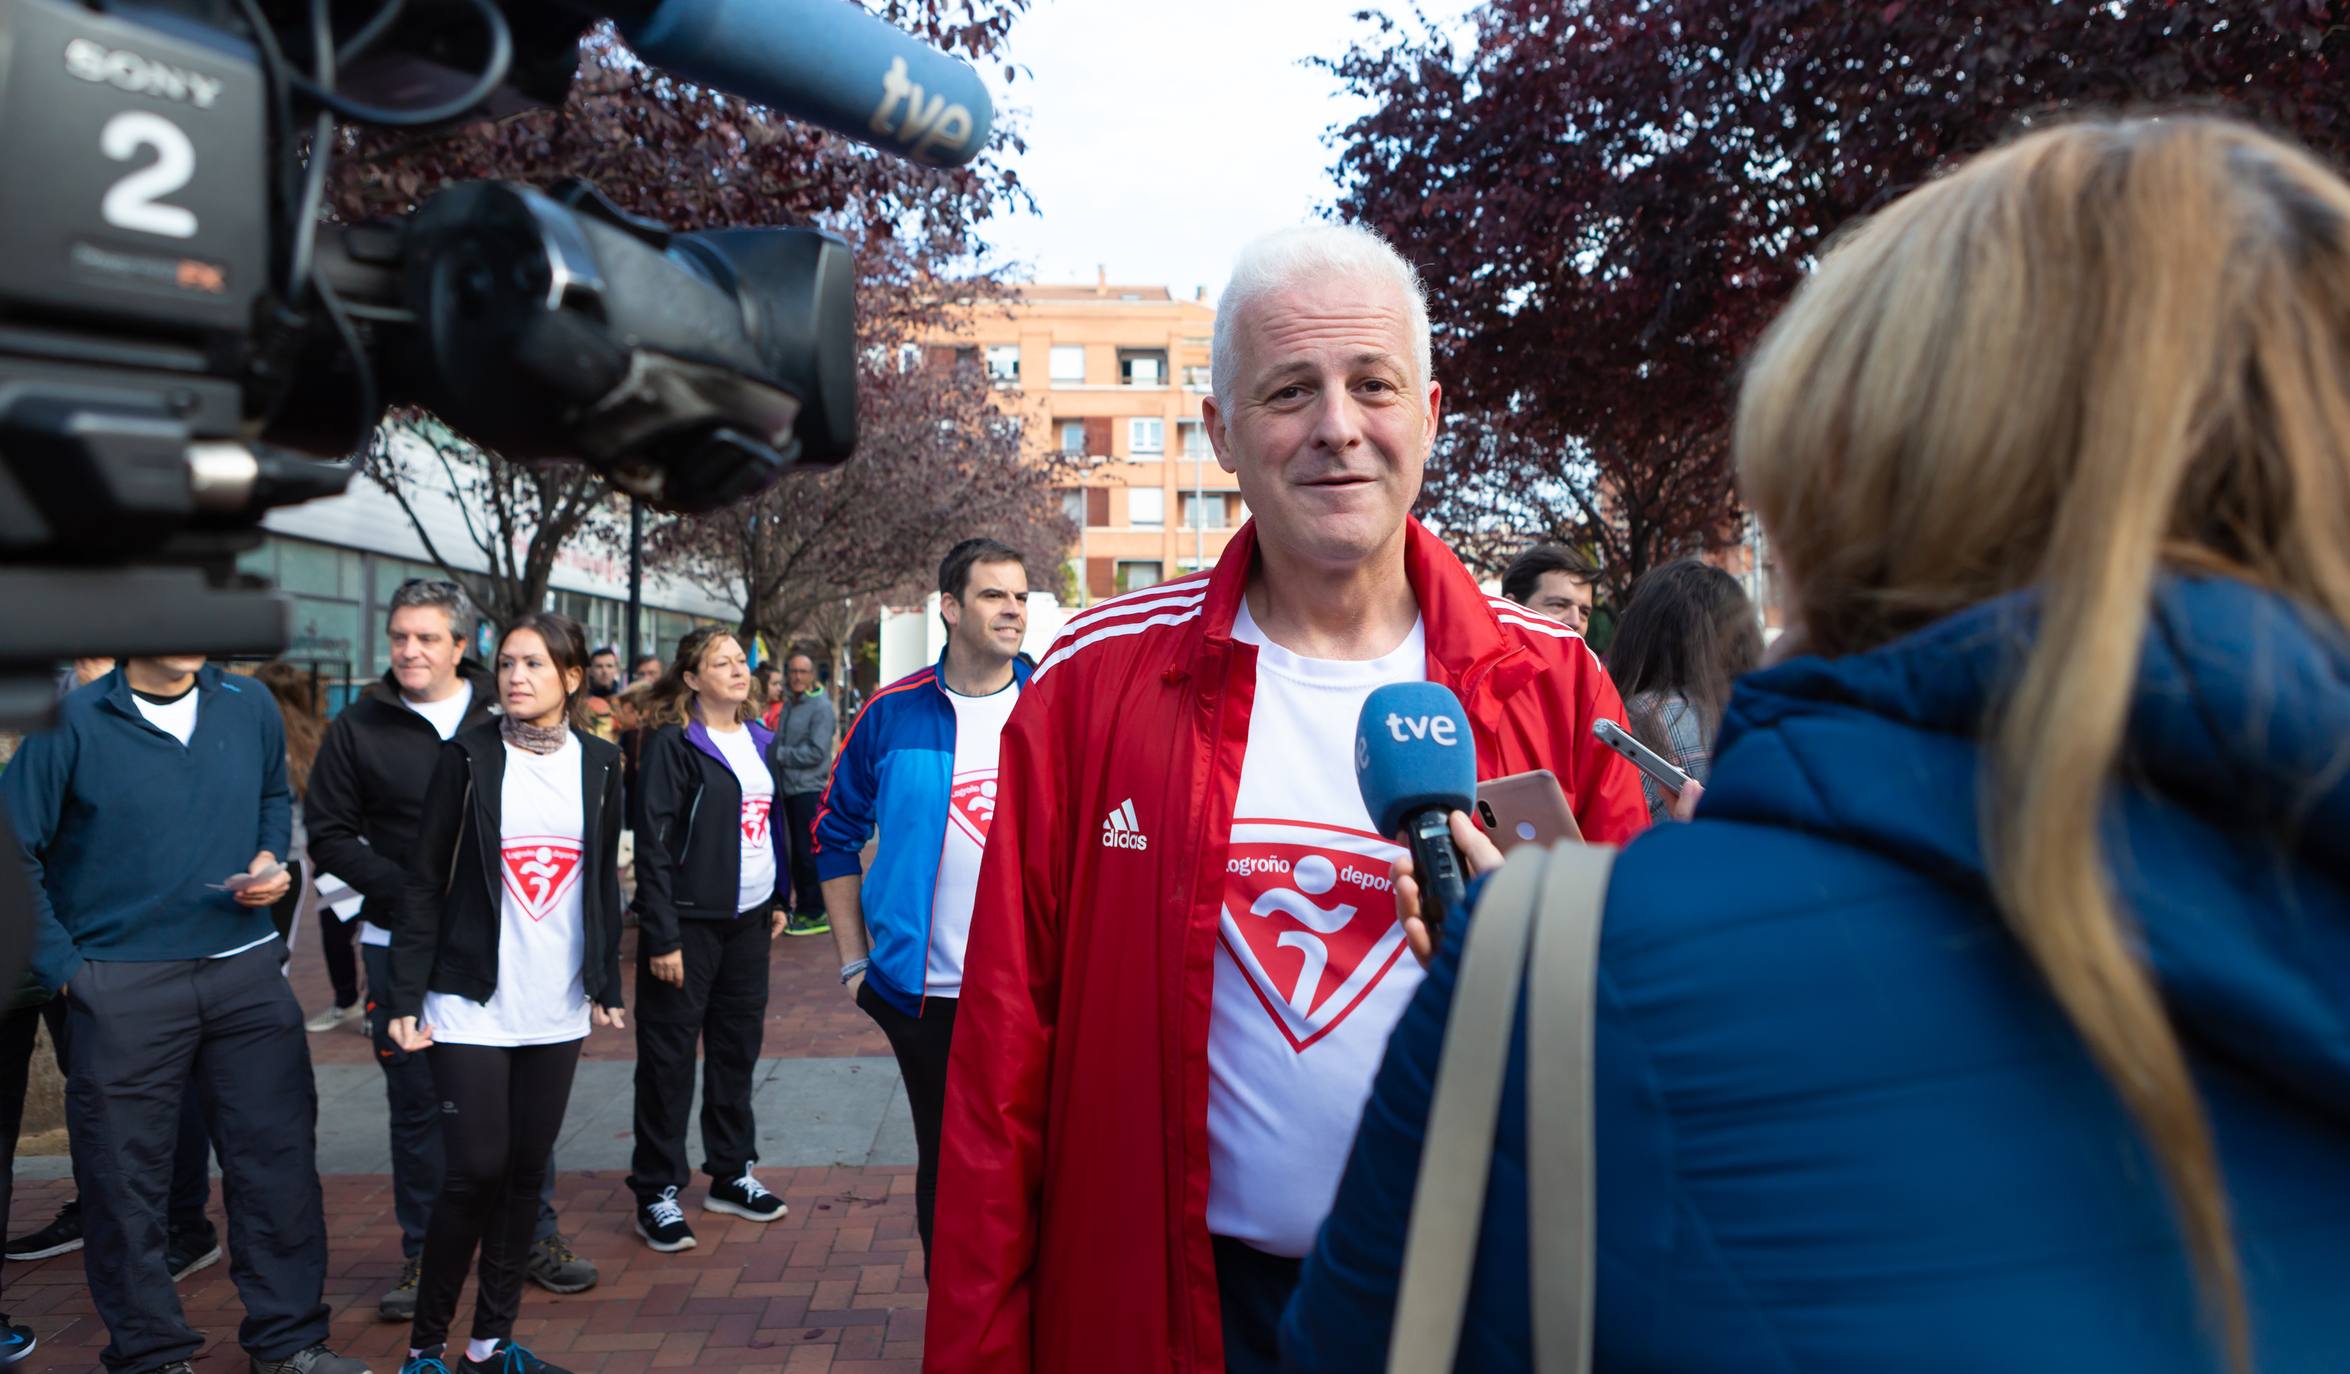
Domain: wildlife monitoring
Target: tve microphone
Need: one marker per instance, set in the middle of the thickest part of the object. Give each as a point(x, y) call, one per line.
point(1417, 764)
point(828, 62)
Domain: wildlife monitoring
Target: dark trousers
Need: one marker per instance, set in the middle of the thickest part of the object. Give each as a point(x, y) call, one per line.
point(807, 894)
point(921, 1044)
point(336, 937)
point(191, 1157)
point(724, 1006)
point(143, 1035)
point(1252, 1287)
point(416, 1121)
point(17, 1031)
point(501, 1110)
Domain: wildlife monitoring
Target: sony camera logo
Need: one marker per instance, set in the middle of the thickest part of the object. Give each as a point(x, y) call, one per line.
point(92, 61)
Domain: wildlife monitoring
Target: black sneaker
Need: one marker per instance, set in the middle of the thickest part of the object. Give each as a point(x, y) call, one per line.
point(744, 1197)
point(316, 1360)
point(509, 1359)
point(555, 1268)
point(427, 1363)
point(662, 1223)
point(16, 1342)
point(398, 1304)
point(187, 1253)
point(60, 1237)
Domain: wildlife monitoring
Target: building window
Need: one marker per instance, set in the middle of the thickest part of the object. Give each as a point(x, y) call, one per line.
point(1195, 439)
point(1073, 505)
point(1003, 362)
point(1073, 438)
point(1142, 367)
point(1134, 575)
point(1203, 510)
point(1146, 434)
point(1068, 362)
point(1146, 506)
point(1197, 377)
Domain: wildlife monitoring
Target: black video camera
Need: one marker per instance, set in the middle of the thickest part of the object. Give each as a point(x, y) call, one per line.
point(182, 341)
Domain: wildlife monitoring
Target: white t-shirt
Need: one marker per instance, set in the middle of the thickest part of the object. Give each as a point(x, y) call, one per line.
point(979, 737)
point(176, 718)
point(444, 716)
point(541, 997)
point(1311, 968)
point(449, 712)
point(758, 868)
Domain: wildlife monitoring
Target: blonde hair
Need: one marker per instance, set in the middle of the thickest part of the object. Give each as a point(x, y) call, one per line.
point(672, 700)
point(2102, 349)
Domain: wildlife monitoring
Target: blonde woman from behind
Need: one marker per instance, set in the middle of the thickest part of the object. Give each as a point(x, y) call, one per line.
point(1990, 1015)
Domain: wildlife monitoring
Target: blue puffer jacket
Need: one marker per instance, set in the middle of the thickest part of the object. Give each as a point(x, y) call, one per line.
point(1841, 1126)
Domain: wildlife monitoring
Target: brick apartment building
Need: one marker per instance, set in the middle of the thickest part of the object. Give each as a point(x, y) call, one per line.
point(1113, 375)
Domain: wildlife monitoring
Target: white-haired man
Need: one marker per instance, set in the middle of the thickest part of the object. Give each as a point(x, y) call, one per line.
point(1185, 958)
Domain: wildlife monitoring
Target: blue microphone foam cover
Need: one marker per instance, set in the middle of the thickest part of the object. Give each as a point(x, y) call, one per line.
point(1413, 750)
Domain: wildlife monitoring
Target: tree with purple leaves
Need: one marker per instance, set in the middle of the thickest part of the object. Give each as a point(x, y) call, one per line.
point(1610, 198)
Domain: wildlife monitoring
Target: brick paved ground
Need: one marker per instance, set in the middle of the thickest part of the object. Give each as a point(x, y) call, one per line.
point(833, 1288)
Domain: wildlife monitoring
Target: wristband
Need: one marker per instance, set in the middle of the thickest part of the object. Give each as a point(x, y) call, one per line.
point(852, 969)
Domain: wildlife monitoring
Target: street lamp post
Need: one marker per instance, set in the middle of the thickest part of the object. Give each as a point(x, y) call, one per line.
point(636, 582)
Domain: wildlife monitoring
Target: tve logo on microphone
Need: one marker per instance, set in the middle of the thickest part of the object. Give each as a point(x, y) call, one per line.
point(1413, 752)
point(1439, 729)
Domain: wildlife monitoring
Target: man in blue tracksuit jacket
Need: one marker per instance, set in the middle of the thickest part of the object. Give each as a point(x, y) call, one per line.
point(920, 764)
point(162, 781)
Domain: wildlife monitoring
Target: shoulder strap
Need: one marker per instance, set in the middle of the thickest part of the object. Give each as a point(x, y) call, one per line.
point(1559, 1149)
point(1456, 1155)
point(1553, 900)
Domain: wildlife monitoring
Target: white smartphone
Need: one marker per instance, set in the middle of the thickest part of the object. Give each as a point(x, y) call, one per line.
point(1647, 760)
point(240, 881)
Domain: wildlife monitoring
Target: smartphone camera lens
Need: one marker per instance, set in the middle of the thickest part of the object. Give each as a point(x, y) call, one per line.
point(1485, 814)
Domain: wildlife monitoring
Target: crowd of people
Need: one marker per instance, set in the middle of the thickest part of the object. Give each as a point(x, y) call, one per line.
point(1976, 1004)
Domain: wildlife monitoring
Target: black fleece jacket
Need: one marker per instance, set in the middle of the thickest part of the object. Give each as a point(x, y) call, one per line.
point(452, 911)
point(689, 857)
point(367, 788)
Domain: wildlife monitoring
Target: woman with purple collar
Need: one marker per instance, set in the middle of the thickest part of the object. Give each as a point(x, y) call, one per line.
point(706, 906)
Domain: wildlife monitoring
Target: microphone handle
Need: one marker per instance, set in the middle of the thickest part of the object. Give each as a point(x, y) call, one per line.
point(1444, 884)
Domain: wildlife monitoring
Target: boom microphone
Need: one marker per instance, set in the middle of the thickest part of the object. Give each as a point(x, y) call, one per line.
point(1417, 764)
point(828, 62)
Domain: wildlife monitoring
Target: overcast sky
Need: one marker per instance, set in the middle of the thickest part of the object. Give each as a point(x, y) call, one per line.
point(1163, 136)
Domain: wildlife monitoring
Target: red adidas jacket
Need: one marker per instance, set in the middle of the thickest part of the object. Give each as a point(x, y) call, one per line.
point(1071, 1229)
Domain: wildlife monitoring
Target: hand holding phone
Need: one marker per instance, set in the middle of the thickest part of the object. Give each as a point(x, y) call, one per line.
point(241, 881)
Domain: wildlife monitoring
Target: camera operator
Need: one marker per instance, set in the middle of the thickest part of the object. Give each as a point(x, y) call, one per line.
point(151, 822)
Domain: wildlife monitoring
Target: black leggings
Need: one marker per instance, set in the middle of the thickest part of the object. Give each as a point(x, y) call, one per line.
point(501, 1110)
point(921, 1044)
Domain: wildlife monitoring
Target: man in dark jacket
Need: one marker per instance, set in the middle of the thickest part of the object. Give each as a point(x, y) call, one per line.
point(151, 821)
point(802, 760)
point(366, 791)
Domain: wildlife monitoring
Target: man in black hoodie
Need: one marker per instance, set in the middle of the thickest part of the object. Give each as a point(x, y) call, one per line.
point(366, 792)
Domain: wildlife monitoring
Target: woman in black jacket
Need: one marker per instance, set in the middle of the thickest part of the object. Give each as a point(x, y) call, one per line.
point(705, 897)
point(506, 951)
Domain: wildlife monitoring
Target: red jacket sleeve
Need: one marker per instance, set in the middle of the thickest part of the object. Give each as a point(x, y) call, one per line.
point(991, 1155)
point(1602, 785)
